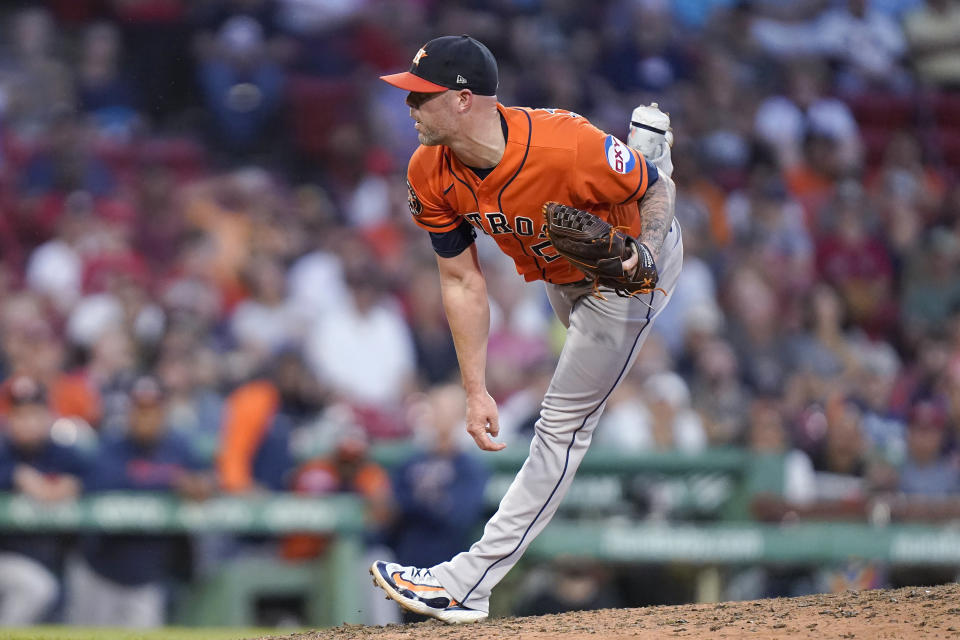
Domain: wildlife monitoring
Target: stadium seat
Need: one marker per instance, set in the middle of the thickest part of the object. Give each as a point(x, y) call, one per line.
point(317, 106)
point(946, 111)
point(184, 156)
point(948, 143)
point(888, 110)
point(875, 142)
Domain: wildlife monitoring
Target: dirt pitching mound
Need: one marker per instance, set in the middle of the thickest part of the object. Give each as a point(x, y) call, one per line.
point(914, 612)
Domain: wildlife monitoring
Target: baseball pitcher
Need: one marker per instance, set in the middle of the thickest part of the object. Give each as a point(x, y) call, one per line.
point(574, 207)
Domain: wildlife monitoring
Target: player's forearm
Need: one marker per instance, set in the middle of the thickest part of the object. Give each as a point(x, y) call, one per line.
point(468, 314)
point(656, 213)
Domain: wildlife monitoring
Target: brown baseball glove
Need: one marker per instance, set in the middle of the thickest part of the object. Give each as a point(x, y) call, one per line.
point(599, 249)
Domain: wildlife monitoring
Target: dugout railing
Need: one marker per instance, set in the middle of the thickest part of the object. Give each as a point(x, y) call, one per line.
point(599, 520)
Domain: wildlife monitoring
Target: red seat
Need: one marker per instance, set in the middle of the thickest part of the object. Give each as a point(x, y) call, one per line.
point(317, 106)
point(888, 110)
point(184, 156)
point(946, 110)
point(948, 141)
point(120, 157)
point(875, 141)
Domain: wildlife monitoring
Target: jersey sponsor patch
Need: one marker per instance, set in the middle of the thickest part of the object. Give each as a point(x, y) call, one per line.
point(618, 155)
point(416, 207)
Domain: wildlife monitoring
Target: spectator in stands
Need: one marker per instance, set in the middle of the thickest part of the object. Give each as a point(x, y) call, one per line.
point(771, 223)
point(696, 14)
point(192, 295)
point(195, 403)
point(702, 217)
point(55, 268)
point(823, 348)
point(951, 392)
point(31, 347)
point(114, 279)
point(436, 357)
point(315, 280)
point(103, 89)
point(813, 182)
point(718, 111)
point(259, 418)
point(439, 490)
point(877, 370)
point(904, 178)
point(933, 35)
point(645, 53)
point(520, 410)
point(927, 470)
point(854, 260)
point(67, 163)
point(122, 579)
point(159, 231)
point(511, 357)
point(700, 203)
point(241, 84)
point(653, 415)
point(349, 470)
point(719, 393)
point(927, 372)
point(755, 330)
point(784, 121)
point(110, 368)
point(363, 349)
point(843, 480)
point(225, 209)
point(866, 44)
point(767, 435)
point(701, 326)
point(34, 465)
point(929, 481)
point(34, 83)
point(840, 459)
point(266, 321)
point(931, 288)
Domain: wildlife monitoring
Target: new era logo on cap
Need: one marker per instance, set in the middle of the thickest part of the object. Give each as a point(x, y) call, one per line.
point(449, 62)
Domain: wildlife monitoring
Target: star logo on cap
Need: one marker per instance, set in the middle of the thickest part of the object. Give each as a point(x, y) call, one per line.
point(420, 54)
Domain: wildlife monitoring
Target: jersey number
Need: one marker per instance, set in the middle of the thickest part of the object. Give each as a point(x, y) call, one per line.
point(540, 246)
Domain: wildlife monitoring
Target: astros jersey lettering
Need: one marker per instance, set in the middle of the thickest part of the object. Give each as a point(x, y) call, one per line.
point(550, 155)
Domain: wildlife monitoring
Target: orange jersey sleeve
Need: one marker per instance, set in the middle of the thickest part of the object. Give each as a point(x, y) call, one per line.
point(606, 172)
point(428, 183)
point(248, 412)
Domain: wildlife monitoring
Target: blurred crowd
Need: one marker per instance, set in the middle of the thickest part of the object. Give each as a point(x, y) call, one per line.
point(209, 281)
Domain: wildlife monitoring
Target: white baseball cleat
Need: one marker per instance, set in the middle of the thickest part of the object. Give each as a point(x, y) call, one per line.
point(650, 134)
point(418, 591)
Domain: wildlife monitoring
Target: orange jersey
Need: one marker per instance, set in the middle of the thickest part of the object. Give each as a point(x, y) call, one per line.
point(550, 155)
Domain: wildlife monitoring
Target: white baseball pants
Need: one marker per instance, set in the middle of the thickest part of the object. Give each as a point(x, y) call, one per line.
point(603, 338)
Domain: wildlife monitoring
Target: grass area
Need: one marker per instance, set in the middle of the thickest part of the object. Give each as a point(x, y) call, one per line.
point(166, 633)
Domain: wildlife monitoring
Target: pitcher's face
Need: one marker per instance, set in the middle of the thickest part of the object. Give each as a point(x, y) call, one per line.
point(433, 116)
